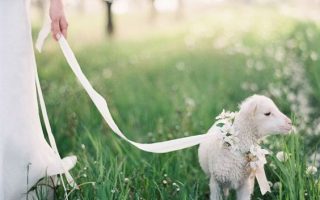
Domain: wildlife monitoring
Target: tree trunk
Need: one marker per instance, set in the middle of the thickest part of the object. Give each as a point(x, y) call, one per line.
point(110, 26)
point(153, 10)
point(180, 8)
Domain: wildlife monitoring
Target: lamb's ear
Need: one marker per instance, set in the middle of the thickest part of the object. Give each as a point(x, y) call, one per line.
point(254, 109)
point(249, 107)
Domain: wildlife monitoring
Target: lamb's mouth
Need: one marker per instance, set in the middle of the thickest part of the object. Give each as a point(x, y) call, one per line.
point(286, 129)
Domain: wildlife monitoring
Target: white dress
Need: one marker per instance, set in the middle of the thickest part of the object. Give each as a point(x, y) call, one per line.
point(25, 156)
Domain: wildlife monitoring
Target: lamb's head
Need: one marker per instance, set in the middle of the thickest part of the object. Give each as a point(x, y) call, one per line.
point(262, 114)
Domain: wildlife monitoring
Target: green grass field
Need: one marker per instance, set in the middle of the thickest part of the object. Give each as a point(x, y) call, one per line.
point(172, 83)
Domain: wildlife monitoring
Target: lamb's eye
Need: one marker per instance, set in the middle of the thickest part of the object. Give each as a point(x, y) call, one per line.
point(267, 114)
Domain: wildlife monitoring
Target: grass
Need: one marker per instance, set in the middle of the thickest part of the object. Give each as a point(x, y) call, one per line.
point(172, 84)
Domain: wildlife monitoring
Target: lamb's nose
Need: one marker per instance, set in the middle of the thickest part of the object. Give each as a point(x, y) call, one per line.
point(289, 121)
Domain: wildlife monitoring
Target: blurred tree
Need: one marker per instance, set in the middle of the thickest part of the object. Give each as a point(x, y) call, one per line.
point(153, 9)
point(110, 24)
point(180, 7)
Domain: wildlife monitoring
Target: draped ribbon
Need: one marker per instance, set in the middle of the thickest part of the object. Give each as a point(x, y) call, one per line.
point(262, 180)
point(43, 34)
point(158, 147)
point(257, 166)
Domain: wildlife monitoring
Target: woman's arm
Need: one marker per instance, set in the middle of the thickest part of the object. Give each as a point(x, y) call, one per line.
point(59, 23)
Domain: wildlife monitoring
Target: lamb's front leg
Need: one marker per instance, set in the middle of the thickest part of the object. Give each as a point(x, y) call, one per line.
point(215, 193)
point(246, 189)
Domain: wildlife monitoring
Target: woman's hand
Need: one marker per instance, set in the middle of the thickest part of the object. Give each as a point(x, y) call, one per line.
point(59, 24)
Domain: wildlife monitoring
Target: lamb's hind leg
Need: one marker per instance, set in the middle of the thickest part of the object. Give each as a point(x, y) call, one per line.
point(246, 189)
point(215, 193)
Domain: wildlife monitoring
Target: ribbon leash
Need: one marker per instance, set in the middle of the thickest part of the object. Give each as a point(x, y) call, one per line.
point(158, 147)
point(102, 106)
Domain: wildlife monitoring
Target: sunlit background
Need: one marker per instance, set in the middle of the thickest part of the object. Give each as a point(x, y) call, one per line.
point(167, 68)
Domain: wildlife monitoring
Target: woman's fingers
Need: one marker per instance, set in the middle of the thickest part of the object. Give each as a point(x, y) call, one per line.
point(59, 23)
point(59, 26)
point(55, 27)
point(64, 26)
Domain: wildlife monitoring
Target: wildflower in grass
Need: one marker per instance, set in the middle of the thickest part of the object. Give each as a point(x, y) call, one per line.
point(190, 42)
point(280, 54)
point(282, 156)
point(250, 63)
point(180, 66)
point(83, 146)
point(274, 90)
point(311, 170)
point(273, 166)
point(259, 66)
point(314, 56)
point(126, 180)
point(113, 191)
point(107, 73)
point(84, 175)
point(165, 182)
point(190, 102)
point(293, 130)
point(277, 185)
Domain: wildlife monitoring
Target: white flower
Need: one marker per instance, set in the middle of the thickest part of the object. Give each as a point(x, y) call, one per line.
point(311, 170)
point(257, 156)
point(276, 185)
point(293, 130)
point(282, 156)
point(314, 56)
point(226, 115)
point(165, 182)
point(126, 180)
point(83, 146)
point(190, 102)
point(273, 166)
point(180, 66)
point(107, 73)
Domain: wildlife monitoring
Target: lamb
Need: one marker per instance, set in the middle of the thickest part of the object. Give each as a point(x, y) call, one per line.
point(258, 117)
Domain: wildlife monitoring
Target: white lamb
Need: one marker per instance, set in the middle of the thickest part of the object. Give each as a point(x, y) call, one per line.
point(258, 117)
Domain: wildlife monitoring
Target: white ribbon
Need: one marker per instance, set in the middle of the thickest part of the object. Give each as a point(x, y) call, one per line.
point(101, 104)
point(257, 166)
point(262, 180)
point(159, 147)
point(44, 32)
